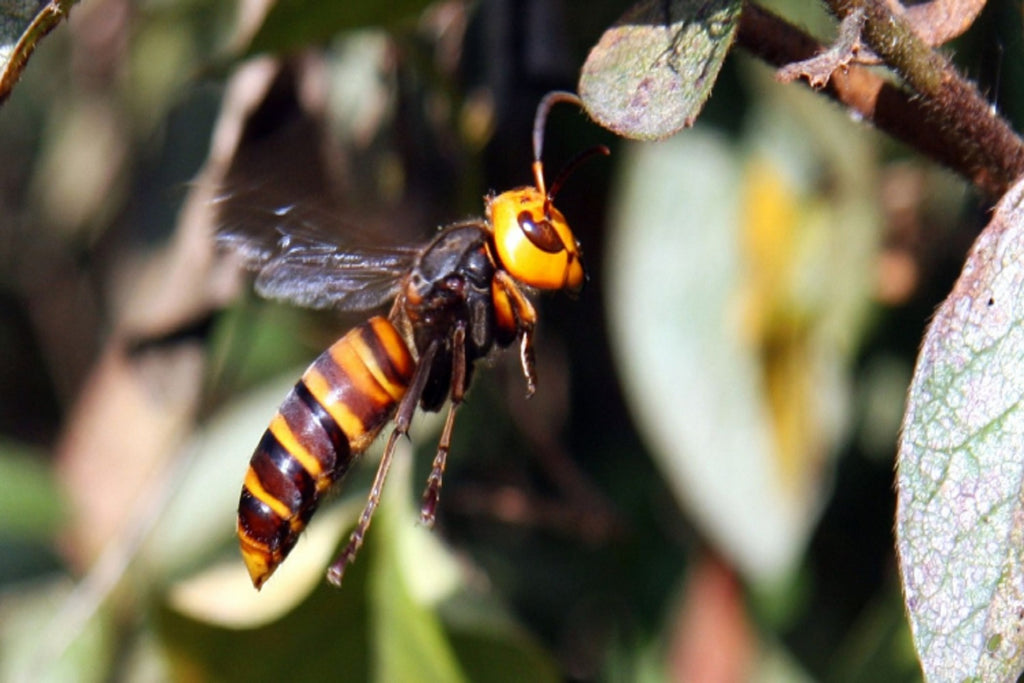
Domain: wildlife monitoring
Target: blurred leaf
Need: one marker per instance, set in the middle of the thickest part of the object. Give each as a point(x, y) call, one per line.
point(294, 23)
point(323, 638)
point(37, 645)
point(650, 74)
point(30, 500)
point(408, 637)
point(255, 341)
point(879, 646)
point(78, 179)
point(960, 521)
point(386, 619)
point(222, 595)
point(23, 23)
point(299, 626)
point(775, 664)
point(501, 653)
point(414, 580)
point(129, 419)
point(738, 292)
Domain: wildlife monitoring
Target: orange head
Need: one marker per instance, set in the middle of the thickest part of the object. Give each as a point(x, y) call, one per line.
point(533, 241)
point(532, 238)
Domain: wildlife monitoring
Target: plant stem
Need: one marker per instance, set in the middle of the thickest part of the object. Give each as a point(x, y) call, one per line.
point(945, 118)
point(992, 152)
point(45, 21)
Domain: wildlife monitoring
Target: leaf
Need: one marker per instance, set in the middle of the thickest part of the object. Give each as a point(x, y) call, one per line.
point(22, 25)
point(298, 23)
point(30, 500)
point(222, 595)
point(749, 282)
point(300, 627)
point(960, 518)
point(501, 653)
point(37, 644)
point(650, 74)
point(323, 638)
point(409, 640)
point(386, 623)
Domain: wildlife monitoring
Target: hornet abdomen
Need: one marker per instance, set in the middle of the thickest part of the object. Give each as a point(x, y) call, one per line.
point(331, 416)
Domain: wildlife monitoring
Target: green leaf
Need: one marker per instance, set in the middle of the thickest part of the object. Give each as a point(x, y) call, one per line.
point(650, 74)
point(43, 639)
point(296, 23)
point(386, 623)
point(960, 520)
point(30, 500)
point(738, 288)
point(501, 654)
point(410, 643)
point(323, 638)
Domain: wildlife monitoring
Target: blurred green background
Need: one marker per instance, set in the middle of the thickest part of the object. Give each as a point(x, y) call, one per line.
point(701, 489)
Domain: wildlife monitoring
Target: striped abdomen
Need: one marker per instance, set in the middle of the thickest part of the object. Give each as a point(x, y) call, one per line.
point(333, 413)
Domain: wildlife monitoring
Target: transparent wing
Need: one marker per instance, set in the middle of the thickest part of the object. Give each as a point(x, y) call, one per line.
point(303, 267)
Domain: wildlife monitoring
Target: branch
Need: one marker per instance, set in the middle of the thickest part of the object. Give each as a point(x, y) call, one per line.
point(991, 154)
point(973, 141)
point(44, 22)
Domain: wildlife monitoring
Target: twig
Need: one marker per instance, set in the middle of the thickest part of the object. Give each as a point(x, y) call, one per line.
point(45, 21)
point(990, 153)
point(983, 149)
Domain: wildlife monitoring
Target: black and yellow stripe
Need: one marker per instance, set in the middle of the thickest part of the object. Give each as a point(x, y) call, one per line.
point(331, 415)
